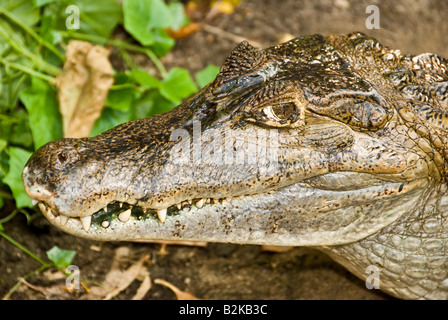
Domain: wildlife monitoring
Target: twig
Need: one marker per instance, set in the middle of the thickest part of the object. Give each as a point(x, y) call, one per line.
point(120, 44)
point(228, 35)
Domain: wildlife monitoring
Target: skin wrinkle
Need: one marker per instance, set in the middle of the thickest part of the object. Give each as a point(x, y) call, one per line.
point(358, 163)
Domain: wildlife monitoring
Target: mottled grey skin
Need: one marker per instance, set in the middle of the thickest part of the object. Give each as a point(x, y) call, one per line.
point(359, 168)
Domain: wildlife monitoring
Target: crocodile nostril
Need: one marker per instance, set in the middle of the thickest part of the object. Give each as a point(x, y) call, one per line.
point(65, 157)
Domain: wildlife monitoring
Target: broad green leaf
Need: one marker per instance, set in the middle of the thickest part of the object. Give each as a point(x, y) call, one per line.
point(41, 103)
point(144, 79)
point(23, 10)
point(151, 103)
point(99, 17)
point(177, 85)
point(40, 3)
point(142, 17)
point(161, 105)
point(206, 75)
point(17, 161)
point(178, 15)
point(120, 99)
point(163, 43)
point(3, 144)
point(61, 257)
point(19, 132)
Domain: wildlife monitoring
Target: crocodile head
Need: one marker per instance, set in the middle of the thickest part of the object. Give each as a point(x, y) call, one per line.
point(316, 141)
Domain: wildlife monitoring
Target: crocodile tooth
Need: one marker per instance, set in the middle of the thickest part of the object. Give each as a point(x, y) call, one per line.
point(121, 204)
point(86, 221)
point(178, 206)
point(105, 224)
point(161, 214)
point(42, 207)
point(63, 219)
point(51, 213)
point(207, 200)
point(200, 203)
point(125, 215)
point(34, 202)
point(190, 201)
point(229, 199)
point(215, 201)
point(105, 209)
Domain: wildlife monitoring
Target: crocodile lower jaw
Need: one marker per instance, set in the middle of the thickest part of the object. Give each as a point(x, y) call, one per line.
point(123, 211)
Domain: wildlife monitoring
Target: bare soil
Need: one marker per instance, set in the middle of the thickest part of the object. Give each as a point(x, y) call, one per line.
point(224, 271)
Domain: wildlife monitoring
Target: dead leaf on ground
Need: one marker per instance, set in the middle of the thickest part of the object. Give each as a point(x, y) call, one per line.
point(181, 295)
point(83, 86)
point(118, 280)
point(184, 31)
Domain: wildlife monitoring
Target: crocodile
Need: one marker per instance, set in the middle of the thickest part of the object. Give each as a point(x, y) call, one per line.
point(335, 142)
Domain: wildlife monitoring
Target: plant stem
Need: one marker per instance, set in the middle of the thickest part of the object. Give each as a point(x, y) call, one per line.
point(24, 249)
point(98, 39)
point(21, 49)
point(50, 79)
point(17, 285)
point(9, 217)
point(38, 38)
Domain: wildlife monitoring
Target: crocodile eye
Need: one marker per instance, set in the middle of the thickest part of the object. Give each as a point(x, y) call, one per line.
point(277, 115)
point(281, 113)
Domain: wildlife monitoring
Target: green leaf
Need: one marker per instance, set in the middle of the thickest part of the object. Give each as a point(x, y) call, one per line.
point(177, 85)
point(206, 75)
point(151, 103)
point(121, 99)
point(163, 43)
point(142, 17)
point(180, 19)
point(144, 79)
point(3, 144)
point(99, 17)
point(17, 161)
point(61, 257)
point(19, 133)
point(40, 3)
point(24, 10)
point(41, 103)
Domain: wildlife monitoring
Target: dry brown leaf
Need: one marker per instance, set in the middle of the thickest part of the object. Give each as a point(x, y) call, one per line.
point(184, 31)
point(181, 295)
point(285, 37)
point(118, 280)
point(144, 287)
point(83, 86)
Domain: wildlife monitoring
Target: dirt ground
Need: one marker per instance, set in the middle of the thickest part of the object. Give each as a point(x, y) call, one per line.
point(223, 271)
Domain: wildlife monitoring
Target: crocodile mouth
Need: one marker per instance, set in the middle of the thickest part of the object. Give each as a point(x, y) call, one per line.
point(323, 204)
point(123, 212)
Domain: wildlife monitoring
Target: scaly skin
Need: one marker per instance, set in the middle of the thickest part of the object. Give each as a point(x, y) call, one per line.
point(346, 151)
